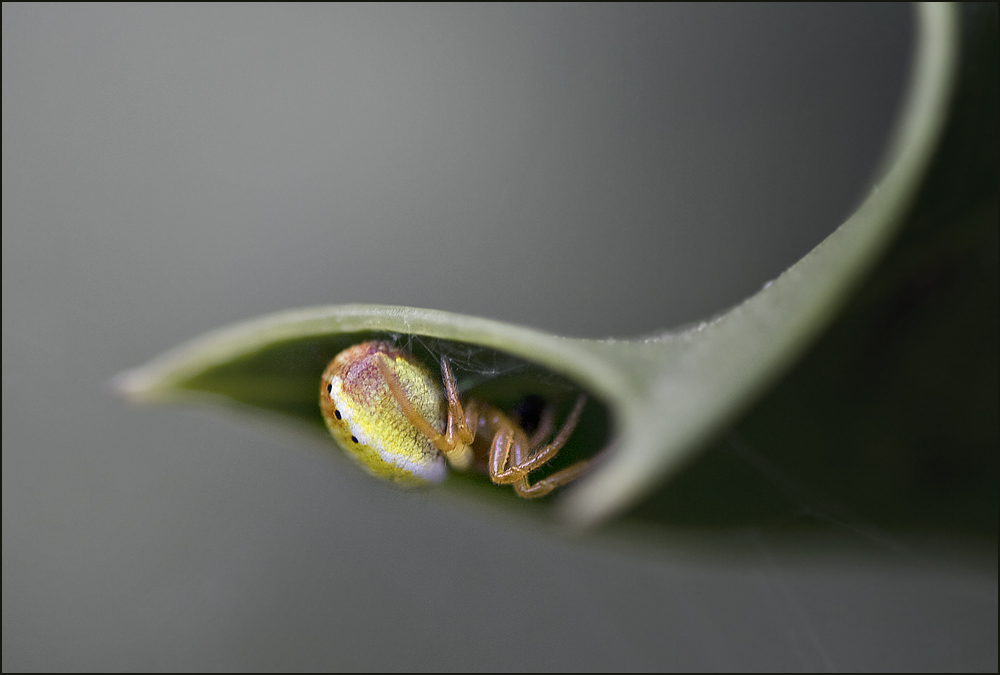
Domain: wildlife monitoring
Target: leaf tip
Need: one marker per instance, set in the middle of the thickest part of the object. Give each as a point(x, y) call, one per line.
point(135, 386)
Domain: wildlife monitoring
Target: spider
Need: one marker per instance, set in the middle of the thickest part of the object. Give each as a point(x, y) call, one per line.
point(389, 413)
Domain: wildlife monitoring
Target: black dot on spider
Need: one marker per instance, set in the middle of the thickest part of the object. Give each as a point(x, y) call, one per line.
point(336, 413)
point(354, 438)
point(329, 388)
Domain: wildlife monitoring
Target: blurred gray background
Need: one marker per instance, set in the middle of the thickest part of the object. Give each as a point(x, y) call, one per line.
point(590, 170)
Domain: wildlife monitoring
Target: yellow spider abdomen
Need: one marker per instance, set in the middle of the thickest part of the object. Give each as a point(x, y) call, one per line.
point(366, 421)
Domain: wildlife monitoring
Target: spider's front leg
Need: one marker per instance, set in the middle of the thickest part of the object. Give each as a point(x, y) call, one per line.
point(460, 431)
point(513, 456)
point(462, 423)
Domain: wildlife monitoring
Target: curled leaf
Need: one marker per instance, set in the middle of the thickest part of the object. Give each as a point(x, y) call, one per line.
point(658, 399)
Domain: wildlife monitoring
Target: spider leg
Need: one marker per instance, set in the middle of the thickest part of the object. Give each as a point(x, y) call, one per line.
point(459, 425)
point(511, 457)
point(545, 425)
point(550, 483)
point(453, 444)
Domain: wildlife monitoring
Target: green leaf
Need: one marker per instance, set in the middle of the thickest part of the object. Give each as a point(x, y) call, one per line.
point(656, 401)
